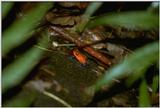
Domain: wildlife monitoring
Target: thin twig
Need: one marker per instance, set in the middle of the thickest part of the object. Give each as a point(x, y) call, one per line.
point(44, 68)
point(56, 98)
point(42, 48)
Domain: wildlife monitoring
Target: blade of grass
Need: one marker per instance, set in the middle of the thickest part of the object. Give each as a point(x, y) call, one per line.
point(92, 8)
point(23, 99)
point(136, 75)
point(144, 95)
point(56, 98)
point(155, 83)
point(141, 58)
point(6, 6)
point(86, 16)
point(14, 73)
point(16, 33)
point(132, 20)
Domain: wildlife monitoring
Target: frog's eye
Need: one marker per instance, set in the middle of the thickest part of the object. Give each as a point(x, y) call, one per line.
point(76, 53)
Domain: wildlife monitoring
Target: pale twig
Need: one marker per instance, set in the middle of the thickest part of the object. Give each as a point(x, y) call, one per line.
point(56, 98)
point(56, 44)
point(42, 48)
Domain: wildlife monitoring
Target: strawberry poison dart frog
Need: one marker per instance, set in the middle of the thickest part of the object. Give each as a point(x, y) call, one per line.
point(79, 56)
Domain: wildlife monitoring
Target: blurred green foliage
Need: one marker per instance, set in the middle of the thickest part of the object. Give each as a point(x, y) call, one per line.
point(134, 64)
point(14, 73)
point(24, 98)
point(92, 8)
point(86, 16)
point(133, 20)
point(18, 32)
point(144, 100)
point(6, 6)
point(155, 83)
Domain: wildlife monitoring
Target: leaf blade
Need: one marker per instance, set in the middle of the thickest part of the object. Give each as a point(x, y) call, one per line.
point(144, 95)
point(6, 6)
point(131, 64)
point(16, 33)
point(133, 20)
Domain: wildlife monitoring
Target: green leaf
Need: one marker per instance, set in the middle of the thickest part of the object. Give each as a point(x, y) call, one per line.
point(136, 75)
point(16, 34)
point(92, 8)
point(23, 99)
point(155, 83)
point(14, 73)
point(144, 95)
point(132, 20)
point(141, 58)
point(86, 16)
point(6, 6)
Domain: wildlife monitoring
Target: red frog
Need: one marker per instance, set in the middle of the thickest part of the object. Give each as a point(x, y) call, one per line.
point(80, 57)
